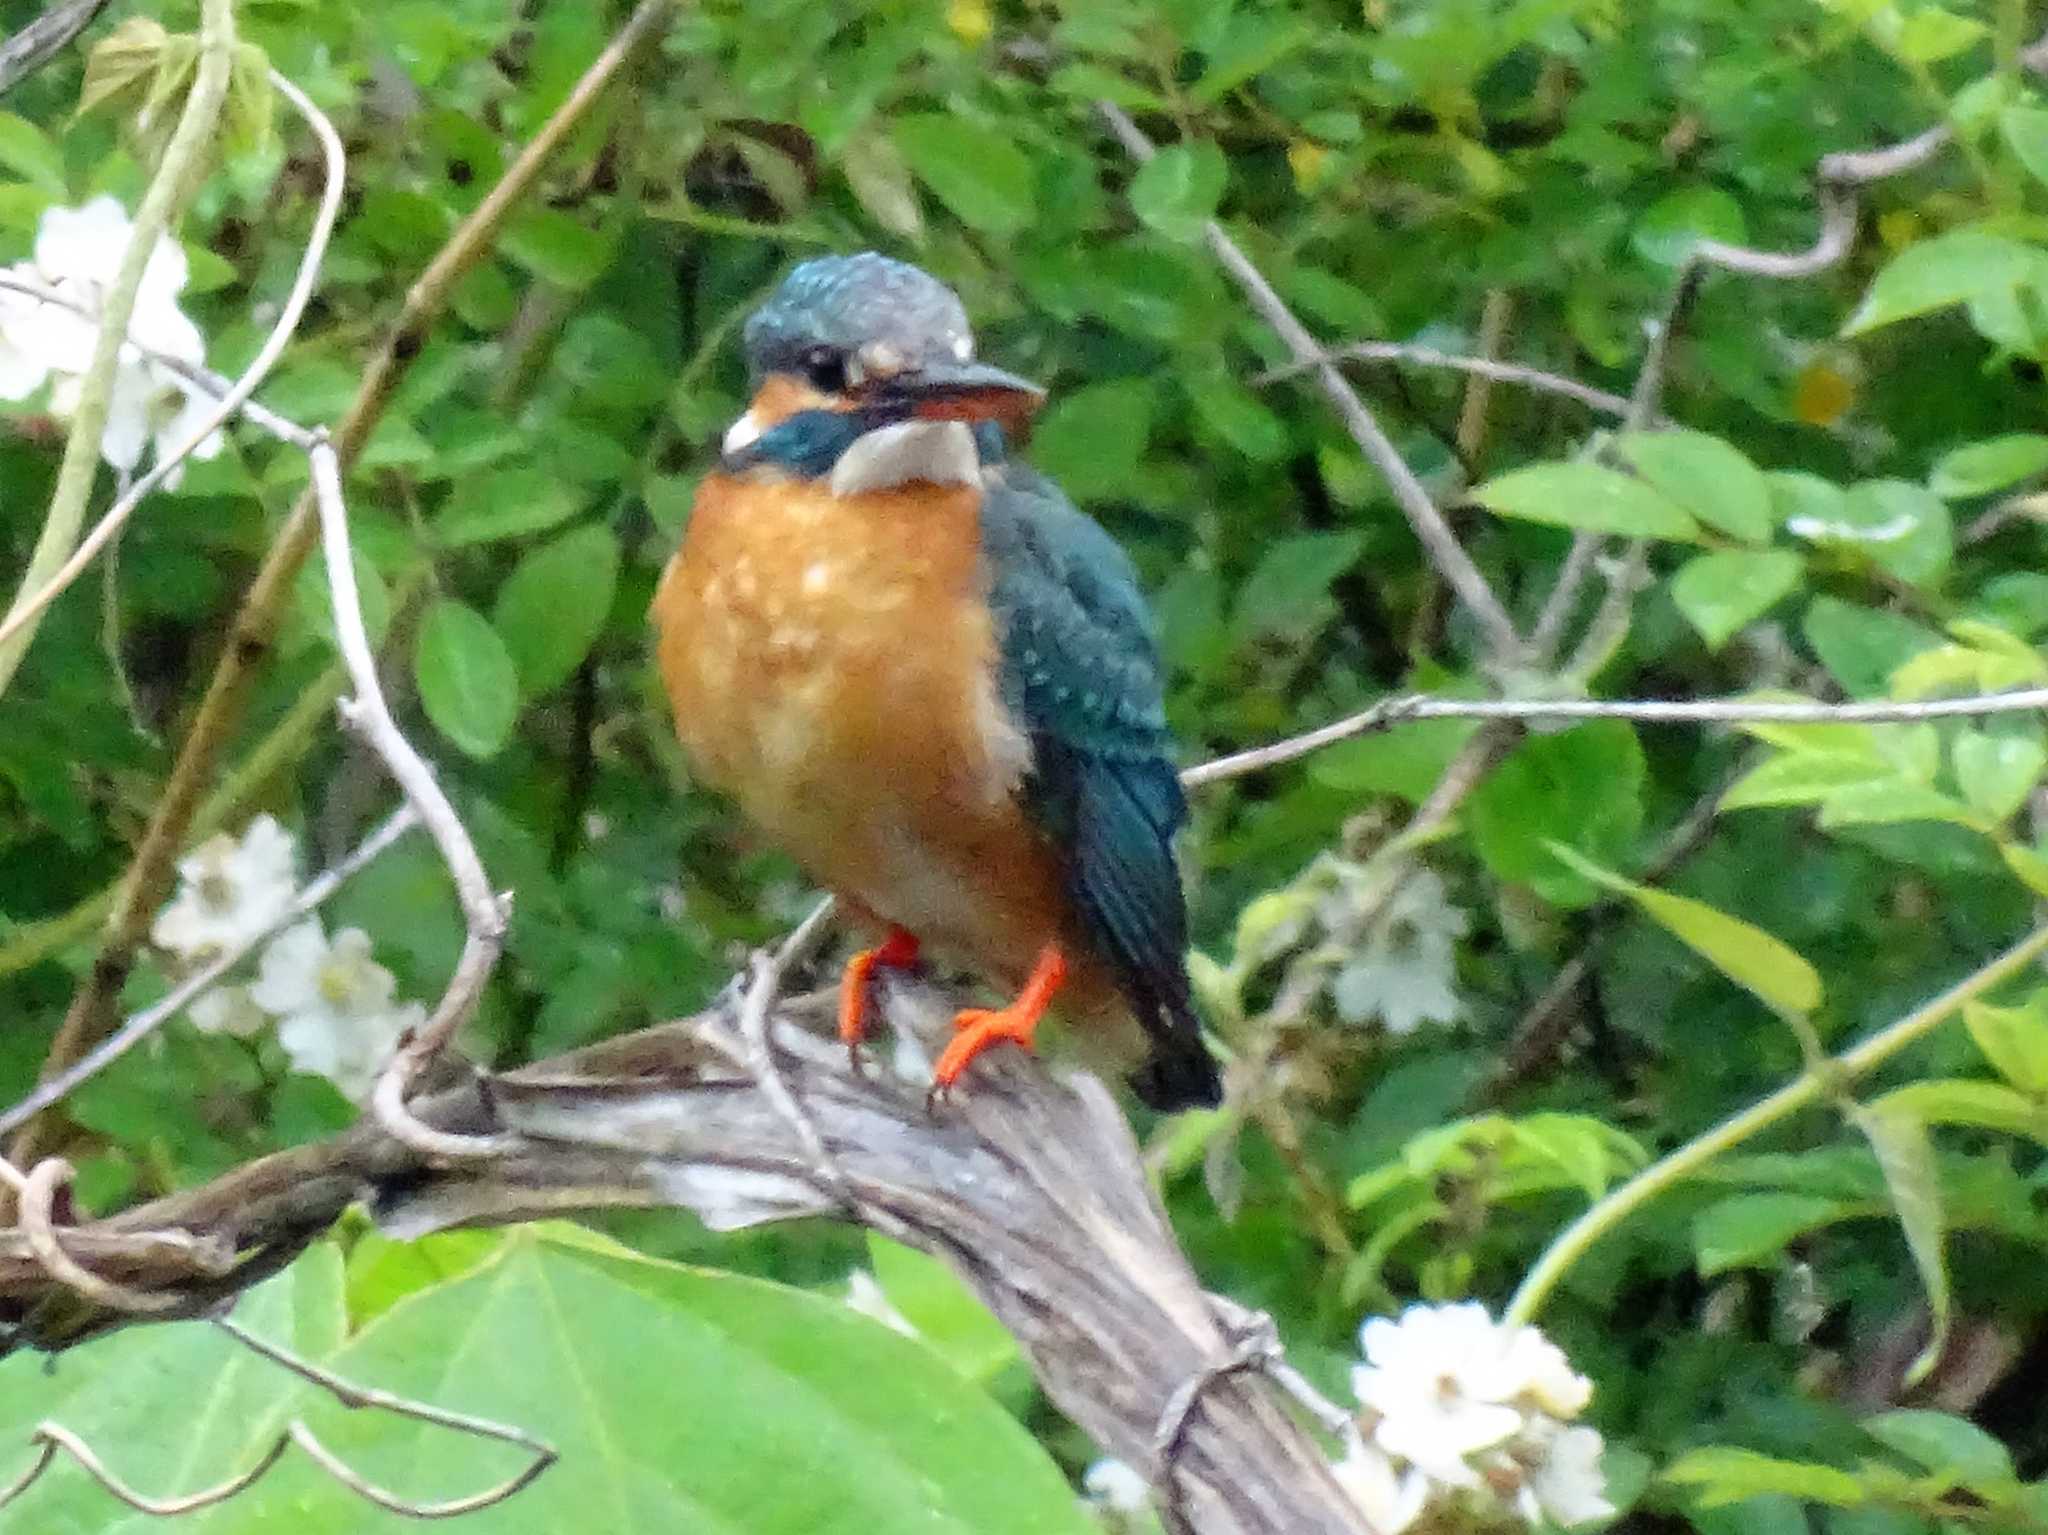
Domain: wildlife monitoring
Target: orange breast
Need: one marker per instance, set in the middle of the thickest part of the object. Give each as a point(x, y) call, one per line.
point(830, 661)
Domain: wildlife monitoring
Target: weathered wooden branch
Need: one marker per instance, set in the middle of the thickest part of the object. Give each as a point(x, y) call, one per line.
point(1027, 1182)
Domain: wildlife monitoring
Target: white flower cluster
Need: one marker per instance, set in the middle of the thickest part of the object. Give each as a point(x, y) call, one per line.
point(335, 1012)
point(1469, 1420)
point(77, 253)
point(1465, 1425)
point(1404, 968)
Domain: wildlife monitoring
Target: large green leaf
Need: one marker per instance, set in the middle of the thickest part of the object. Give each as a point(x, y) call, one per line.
point(2014, 1040)
point(1707, 477)
point(553, 606)
point(1588, 496)
point(1979, 468)
point(1580, 787)
point(1742, 951)
point(680, 1400)
point(1176, 191)
point(975, 171)
point(467, 682)
point(1750, 1229)
point(505, 503)
point(1948, 269)
point(1723, 592)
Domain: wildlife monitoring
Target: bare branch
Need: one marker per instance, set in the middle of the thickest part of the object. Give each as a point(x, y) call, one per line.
point(353, 1396)
point(1437, 539)
point(145, 1023)
point(1030, 1187)
point(484, 911)
point(1429, 357)
point(36, 1194)
point(25, 610)
point(1389, 712)
point(42, 40)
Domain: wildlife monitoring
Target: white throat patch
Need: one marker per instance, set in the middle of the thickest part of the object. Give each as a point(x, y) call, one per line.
point(942, 452)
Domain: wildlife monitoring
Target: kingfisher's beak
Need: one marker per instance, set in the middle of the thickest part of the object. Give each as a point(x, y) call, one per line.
point(966, 391)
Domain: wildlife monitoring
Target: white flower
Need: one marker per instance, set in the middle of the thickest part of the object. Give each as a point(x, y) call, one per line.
point(227, 1010)
point(230, 892)
point(864, 1294)
point(338, 1019)
point(1477, 1409)
point(78, 252)
point(1112, 1485)
point(1390, 1499)
point(1565, 1484)
point(1403, 972)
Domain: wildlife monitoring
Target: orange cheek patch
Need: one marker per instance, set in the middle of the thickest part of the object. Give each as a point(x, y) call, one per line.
point(782, 396)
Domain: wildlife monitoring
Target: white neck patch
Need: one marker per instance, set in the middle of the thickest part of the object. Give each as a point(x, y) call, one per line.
point(742, 433)
point(941, 452)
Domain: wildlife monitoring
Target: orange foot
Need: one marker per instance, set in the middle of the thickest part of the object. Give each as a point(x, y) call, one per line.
point(977, 1028)
point(896, 952)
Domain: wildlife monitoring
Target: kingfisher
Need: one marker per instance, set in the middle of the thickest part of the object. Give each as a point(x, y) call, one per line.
point(931, 679)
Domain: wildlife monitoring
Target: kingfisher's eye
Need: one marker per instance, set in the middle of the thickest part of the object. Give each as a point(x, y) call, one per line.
point(825, 367)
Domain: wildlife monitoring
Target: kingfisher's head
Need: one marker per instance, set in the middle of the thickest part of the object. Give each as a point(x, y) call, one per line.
point(885, 349)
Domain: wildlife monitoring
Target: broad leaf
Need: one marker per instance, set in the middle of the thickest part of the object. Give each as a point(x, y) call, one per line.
point(505, 503)
point(553, 606)
point(1980, 468)
point(2014, 1040)
point(1731, 1475)
point(1742, 951)
point(1588, 496)
point(1945, 1445)
point(1948, 269)
point(1581, 787)
point(1707, 477)
point(1723, 592)
point(975, 171)
point(1751, 1229)
point(467, 682)
point(1176, 191)
point(1997, 772)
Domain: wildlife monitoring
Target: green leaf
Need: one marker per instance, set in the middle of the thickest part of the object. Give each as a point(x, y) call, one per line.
point(504, 503)
point(1678, 221)
point(1726, 1475)
point(944, 1311)
point(2014, 1040)
point(1949, 269)
point(679, 1399)
point(1580, 787)
point(1289, 589)
point(1802, 778)
point(557, 247)
point(1250, 44)
point(977, 172)
point(466, 680)
point(1723, 592)
point(1092, 440)
point(1906, 1158)
point(1740, 950)
point(31, 154)
point(553, 606)
point(1589, 496)
point(1979, 468)
point(1961, 1101)
point(1176, 191)
point(1932, 34)
point(1946, 1446)
point(2028, 865)
point(1862, 647)
point(2025, 130)
point(1748, 1230)
point(1707, 477)
point(1889, 801)
point(1997, 772)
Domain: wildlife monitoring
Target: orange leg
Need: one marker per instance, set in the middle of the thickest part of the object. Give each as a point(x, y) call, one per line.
point(896, 952)
point(980, 1027)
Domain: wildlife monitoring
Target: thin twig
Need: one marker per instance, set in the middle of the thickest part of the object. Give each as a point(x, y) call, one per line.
point(52, 1437)
point(766, 974)
point(163, 203)
point(43, 39)
point(36, 1196)
point(484, 911)
point(1434, 533)
point(281, 334)
point(1429, 357)
point(138, 1028)
point(1650, 711)
point(350, 1395)
point(254, 626)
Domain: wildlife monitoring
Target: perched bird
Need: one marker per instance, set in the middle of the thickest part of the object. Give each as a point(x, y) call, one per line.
point(930, 678)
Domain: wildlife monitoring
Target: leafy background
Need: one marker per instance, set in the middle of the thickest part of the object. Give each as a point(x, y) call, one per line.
point(1850, 516)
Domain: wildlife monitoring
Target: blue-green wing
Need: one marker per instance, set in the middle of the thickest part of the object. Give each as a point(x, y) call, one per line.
point(1080, 673)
